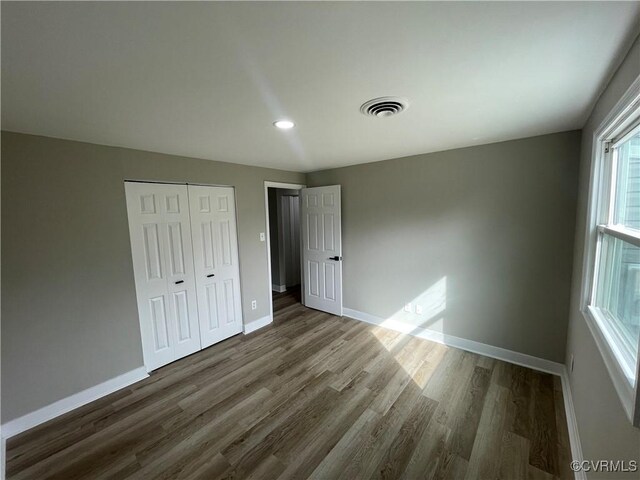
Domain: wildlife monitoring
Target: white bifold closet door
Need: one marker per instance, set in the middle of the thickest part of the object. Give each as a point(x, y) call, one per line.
point(185, 259)
point(160, 230)
point(215, 245)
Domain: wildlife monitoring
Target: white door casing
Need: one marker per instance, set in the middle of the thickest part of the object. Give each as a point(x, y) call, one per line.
point(160, 232)
point(322, 248)
point(217, 269)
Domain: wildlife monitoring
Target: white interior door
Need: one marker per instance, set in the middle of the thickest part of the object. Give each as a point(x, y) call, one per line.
point(215, 246)
point(322, 248)
point(160, 232)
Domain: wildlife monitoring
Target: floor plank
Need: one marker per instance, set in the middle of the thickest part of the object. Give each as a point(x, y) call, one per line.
point(312, 396)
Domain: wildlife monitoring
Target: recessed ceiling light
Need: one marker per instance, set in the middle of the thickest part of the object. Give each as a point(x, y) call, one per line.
point(284, 124)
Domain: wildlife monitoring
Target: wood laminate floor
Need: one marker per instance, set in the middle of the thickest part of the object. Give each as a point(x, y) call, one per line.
point(313, 396)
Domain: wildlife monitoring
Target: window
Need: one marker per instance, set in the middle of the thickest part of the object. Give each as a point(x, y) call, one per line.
point(616, 293)
point(612, 282)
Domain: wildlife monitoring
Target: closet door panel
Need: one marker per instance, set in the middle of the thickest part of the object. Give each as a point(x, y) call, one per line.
point(181, 284)
point(216, 262)
point(163, 270)
point(159, 323)
point(148, 249)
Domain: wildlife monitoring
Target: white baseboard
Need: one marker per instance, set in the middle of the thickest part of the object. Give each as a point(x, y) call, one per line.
point(72, 402)
point(462, 343)
point(572, 423)
point(503, 354)
point(256, 324)
point(278, 288)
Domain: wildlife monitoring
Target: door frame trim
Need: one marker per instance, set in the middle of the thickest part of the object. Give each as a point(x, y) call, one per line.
point(267, 186)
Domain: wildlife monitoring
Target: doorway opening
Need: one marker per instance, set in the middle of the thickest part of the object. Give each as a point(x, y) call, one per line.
point(284, 244)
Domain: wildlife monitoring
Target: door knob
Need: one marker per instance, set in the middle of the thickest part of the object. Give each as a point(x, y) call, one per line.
point(211, 275)
point(336, 258)
point(179, 282)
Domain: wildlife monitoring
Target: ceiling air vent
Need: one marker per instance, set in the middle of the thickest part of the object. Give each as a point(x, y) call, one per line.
point(384, 106)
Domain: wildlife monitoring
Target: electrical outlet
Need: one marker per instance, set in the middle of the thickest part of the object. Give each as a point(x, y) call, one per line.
point(407, 308)
point(262, 237)
point(419, 309)
point(571, 364)
point(254, 304)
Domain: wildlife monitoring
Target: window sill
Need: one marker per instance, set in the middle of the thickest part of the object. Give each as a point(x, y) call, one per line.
point(620, 379)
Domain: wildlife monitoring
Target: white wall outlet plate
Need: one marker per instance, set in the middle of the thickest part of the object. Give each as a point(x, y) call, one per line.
point(407, 308)
point(262, 237)
point(419, 309)
point(254, 305)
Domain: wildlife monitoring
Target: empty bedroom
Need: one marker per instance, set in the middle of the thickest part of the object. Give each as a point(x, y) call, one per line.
point(323, 240)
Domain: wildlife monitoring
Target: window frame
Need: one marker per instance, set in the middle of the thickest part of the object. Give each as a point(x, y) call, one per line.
point(623, 119)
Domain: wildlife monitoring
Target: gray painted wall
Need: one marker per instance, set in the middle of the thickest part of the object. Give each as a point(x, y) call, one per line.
point(69, 312)
point(482, 237)
point(605, 431)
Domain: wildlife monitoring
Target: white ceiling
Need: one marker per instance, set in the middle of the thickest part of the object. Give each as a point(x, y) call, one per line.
point(208, 79)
